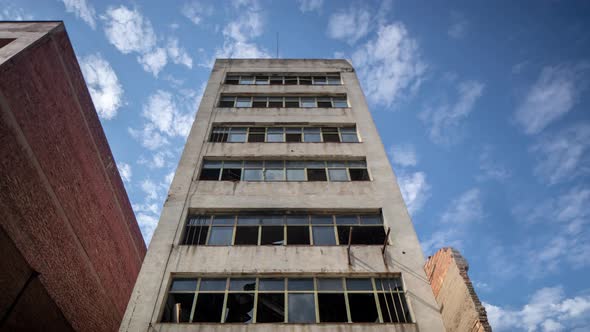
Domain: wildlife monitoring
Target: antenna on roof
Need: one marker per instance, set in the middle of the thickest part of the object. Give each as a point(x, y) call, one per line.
point(277, 45)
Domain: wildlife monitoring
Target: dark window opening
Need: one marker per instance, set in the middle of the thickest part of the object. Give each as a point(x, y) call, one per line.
point(275, 102)
point(208, 308)
point(297, 235)
point(210, 174)
point(291, 102)
point(246, 235)
point(291, 80)
point(178, 308)
point(332, 308)
point(270, 308)
point(324, 102)
point(305, 80)
point(293, 137)
point(316, 174)
point(231, 174)
point(272, 235)
point(218, 135)
point(394, 308)
point(227, 102)
point(195, 235)
point(330, 135)
point(259, 102)
point(362, 235)
point(363, 308)
point(301, 308)
point(359, 174)
point(277, 80)
point(232, 80)
point(240, 308)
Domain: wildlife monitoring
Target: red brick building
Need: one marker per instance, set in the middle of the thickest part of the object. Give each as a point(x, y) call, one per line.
point(70, 247)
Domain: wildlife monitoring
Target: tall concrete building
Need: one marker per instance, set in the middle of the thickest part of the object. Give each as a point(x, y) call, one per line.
point(284, 214)
point(70, 247)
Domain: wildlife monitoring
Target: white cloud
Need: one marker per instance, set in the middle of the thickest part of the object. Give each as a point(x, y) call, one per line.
point(445, 119)
point(162, 110)
point(547, 310)
point(565, 155)
point(150, 189)
point(465, 209)
point(103, 84)
point(248, 25)
point(125, 171)
point(196, 10)
point(404, 155)
point(461, 213)
point(149, 137)
point(11, 13)
point(350, 25)
point(83, 10)
point(490, 168)
point(389, 65)
point(130, 32)
point(147, 225)
point(548, 99)
point(415, 190)
point(178, 54)
point(310, 5)
point(458, 27)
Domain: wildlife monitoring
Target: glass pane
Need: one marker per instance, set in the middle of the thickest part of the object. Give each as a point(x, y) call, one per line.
point(271, 284)
point(244, 102)
point(338, 175)
point(324, 236)
point(371, 219)
point(295, 175)
point(237, 137)
point(330, 284)
point(240, 308)
point(340, 102)
point(262, 80)
point(212, 284)
point(357, 163)
point(308, 102)
point(220, 236)
point(247, 80)
point(297, 220)
point(274, 175)
point(252, 175)
point(301, 308)
point(242, 284)
point(300, 284)
point(224, 219)
point(275, 137)
point(249, 220)
point(272, 220)
point(347, 220)
point(312, 138)
point(321, 220)
point(337, 164)
point(212, 164)
point(295, 164)
point(253, 164)
point(270, 308)
point(353, 284)
point(320, 80)
point(334, 80)
point(349, 138)
point(184, 285)
point(208, 308)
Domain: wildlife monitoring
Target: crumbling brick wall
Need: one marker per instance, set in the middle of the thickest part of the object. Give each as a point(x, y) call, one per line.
point(460, 307)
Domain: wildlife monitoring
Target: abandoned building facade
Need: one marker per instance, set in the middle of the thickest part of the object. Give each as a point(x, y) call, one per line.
point(284, 213)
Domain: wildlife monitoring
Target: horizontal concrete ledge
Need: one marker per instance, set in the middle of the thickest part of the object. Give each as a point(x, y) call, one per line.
point(287, 327)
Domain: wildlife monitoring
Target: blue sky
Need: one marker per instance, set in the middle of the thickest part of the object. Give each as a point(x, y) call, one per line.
point(483, 107)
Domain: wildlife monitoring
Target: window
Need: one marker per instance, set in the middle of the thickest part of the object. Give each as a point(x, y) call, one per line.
point(349, 135)
point(308, 102)
point(304, 80)
point(312, 135)
point(293, 134)
point(246, 80)
point(286, 300)
point(330, 134)
point(334, 80)
point(290, 80)
point(227, 101)
point(280, 170)
point(261, 102)
point(244, 102)
point(292, 102)
point(284, 229)
point(262, 80)
point(257, 134)
point(324, 102)
point(275, 135)
point(237, 134)
point(275, 102)
point(232, 79)
point(320, 80)
point(340, 102)
point(219, 134)
point(274, 79)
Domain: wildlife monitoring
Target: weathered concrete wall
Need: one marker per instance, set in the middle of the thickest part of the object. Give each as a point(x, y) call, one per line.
point(165, 258)
point(62, 201)
point(460, 307)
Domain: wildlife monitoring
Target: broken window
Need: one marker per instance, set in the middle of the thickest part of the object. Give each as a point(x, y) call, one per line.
point(227, 101)
point(293, 134)
point(349, 135)
point(325, 102)
point(277, 80)
point(210, 171)
point(196, 229)
point(257, 134)
point(208, 308)
point(275, 102)
point(330, 134)
point(260, 102)
point(291, 101)
point(240, 308)
point(271, 308)
point(305, 80)
point(232, 79)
